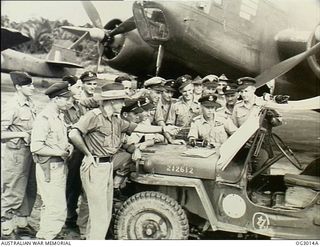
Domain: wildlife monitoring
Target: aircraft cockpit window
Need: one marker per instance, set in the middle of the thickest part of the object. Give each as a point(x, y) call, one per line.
point(157, 24)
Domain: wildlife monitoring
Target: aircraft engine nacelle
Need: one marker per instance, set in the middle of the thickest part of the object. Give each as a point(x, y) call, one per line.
point(129, 52)
point(314, 61)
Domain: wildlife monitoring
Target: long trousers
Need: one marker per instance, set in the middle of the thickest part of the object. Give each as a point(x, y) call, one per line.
point(98, 185)
point(53, 194)
point(74, 185)
point(19, 189)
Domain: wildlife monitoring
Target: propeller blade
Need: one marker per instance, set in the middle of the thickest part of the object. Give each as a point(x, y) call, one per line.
point(100, 52)
point(79, 31)
point(92, 13)
point(283, 67)
point(94, 32)
point(85, 35)
point(126, 26)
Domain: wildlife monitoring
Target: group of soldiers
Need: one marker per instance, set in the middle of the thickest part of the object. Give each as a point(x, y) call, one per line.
point(71, 152)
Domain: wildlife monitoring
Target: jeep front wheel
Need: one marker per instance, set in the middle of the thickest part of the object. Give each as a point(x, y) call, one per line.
point(151, 215)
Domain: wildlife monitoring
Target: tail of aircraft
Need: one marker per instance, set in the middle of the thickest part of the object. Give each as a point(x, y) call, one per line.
point(60, 55)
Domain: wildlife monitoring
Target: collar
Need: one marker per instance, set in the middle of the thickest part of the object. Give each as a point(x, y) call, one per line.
point(106, 114)
point(23, 100)
point(203, 120)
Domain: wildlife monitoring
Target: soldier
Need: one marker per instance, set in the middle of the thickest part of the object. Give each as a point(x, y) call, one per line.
point(74, 186)
point(18, 173)
point(164, 103)
point(98, 134)
point(198, 88)
point(213, 129)
point(144, 113)
point(249, 100)
point(231, 96)
point(243, 108)
point(185, 109)
point(90, 82)
point(127, 83)
point(50, 148)
point(154, 86)
point(223, 82)
point(210, 84)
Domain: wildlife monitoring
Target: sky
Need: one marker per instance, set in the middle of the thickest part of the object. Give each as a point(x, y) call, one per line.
point(73, 11)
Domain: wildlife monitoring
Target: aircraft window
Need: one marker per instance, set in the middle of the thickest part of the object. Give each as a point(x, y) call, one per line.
point(157, 23)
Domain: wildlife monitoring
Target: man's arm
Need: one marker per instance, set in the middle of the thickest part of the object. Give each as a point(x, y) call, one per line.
point(76, 138)
point(173, 130)
point(7, 135)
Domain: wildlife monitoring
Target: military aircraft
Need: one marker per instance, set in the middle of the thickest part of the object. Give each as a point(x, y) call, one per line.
point(60, 60)
point(237, 38)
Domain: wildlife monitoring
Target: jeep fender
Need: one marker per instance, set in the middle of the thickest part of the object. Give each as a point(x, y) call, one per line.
point(155, 179)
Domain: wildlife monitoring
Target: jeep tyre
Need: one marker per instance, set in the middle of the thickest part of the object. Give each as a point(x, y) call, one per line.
point(151, 215)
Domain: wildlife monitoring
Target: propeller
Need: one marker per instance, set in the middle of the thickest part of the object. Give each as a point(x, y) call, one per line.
point(105, 38)
point(92, 13)
point(284, 66)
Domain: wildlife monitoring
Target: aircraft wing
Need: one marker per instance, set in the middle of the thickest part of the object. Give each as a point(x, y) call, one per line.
point(63, 64)
point(11, 37)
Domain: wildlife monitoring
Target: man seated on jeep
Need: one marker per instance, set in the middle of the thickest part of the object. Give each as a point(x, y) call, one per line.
point(212, 129)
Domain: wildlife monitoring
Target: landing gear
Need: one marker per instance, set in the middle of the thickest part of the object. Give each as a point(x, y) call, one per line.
point(151, 215)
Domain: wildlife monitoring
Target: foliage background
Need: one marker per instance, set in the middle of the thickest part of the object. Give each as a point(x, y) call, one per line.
point(44, 33)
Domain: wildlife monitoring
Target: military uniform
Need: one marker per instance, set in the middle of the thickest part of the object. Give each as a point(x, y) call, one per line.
point(103, 137)
point(182, 113)
point(215, 132)
point(50, 132)
point(242, 110)
point(18, 173)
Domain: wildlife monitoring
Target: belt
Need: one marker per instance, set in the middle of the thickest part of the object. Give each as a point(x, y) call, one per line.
point(56, 159)
point(103, 159)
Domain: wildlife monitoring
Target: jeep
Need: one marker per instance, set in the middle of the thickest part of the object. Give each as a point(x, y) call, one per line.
point(180, 192)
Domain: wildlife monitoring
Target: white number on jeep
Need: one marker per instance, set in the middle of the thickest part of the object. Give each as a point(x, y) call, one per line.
point(179, 169)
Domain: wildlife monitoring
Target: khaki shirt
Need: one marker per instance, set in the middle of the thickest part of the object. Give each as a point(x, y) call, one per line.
point(72, 115)
point(18, 116)
point(214, 132)
point(162, 111)
point(49, 130)
point(242, 110)
point(103, 134)
point(181, 113)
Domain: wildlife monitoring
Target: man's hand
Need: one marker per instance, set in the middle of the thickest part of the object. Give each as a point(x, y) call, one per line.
point(26, 137)
point(87, 161)
point(69, 150)
point(281, 99)
point(142, 146)
point(172, 130)
point(136, 154)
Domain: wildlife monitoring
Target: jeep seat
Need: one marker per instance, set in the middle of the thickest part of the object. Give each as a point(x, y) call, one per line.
point(311, 182)
point(180, 160)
